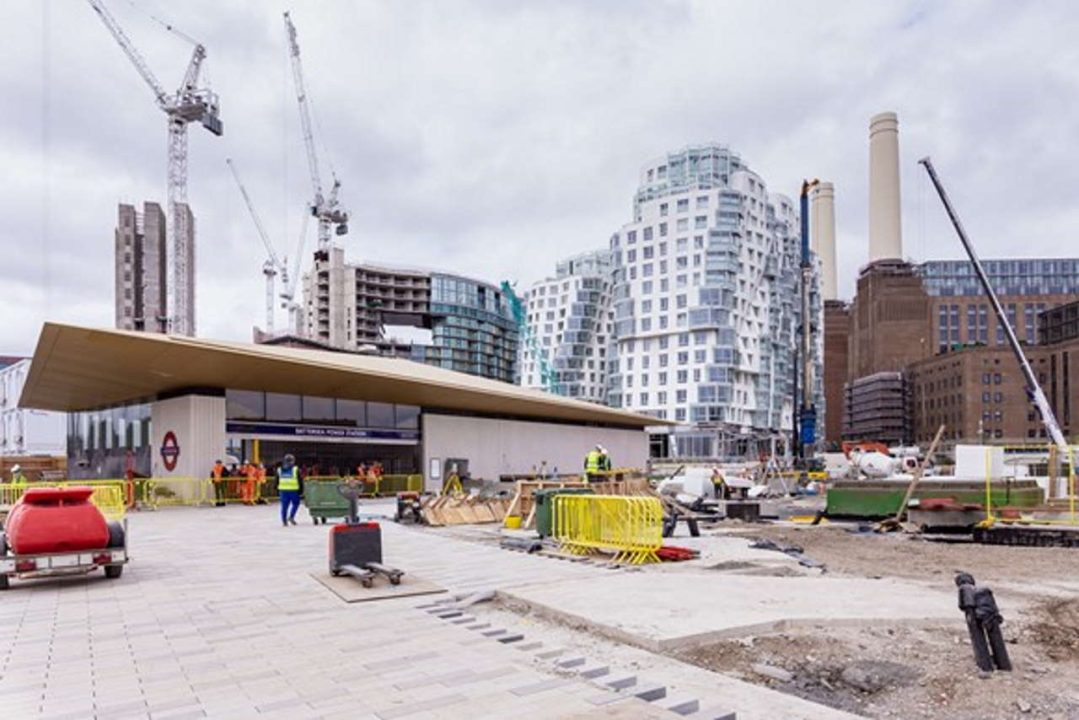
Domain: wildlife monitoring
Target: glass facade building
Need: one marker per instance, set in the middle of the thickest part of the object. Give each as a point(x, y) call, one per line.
point(1042, 276)
point(571, 318)
point(961, 314)
point(473, 329)
point(466, 324)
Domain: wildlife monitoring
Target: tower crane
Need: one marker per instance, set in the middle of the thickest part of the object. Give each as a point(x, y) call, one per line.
point(273, 265)
point(325, 207)
point(189, 103)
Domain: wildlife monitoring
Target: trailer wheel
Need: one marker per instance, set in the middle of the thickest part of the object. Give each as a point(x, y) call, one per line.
point(116, 535)
point(114, 571)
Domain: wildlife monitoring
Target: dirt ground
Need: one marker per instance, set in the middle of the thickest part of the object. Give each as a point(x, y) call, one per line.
point(901, 672)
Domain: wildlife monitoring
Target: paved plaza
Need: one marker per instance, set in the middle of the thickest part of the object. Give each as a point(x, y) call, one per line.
point(218, 615)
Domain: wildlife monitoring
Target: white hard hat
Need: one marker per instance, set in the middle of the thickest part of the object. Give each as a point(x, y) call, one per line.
point(16, 468)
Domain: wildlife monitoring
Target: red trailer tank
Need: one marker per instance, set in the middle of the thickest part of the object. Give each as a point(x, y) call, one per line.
point(56, 520)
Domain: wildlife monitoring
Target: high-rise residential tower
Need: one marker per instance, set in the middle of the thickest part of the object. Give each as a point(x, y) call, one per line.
point(141, 277)
point(571, 319)
point(706, 303)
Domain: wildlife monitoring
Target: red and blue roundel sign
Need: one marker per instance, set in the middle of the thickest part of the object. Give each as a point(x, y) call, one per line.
point(170, 451)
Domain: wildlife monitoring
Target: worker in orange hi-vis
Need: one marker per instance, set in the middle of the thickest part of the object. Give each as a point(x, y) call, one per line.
point(260, 480)
point(251, 480)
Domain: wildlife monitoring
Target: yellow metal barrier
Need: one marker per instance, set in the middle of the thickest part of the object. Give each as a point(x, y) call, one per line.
point(110, 496)
point(1055, 459)
point(630, 527)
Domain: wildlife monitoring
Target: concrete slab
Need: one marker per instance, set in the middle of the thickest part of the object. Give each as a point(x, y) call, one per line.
point(694, 607)
point(351, 590)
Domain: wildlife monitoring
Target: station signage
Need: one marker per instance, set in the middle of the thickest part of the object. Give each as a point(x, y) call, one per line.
point(314, 432)
point(170, 451)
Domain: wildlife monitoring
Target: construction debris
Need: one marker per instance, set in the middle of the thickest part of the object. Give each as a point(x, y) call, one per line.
point(462, 509)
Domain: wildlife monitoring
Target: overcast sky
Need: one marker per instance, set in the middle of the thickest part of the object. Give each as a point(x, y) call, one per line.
point(492, 138)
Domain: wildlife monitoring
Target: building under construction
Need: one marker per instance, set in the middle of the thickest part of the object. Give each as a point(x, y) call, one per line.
point(439, 319)
point(142, 279)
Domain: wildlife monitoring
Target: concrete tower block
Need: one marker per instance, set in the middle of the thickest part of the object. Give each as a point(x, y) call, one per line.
point(822, 237)
point(885, 233)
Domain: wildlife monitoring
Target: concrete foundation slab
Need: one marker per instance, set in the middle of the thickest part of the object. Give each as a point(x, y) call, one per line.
point(684, 609)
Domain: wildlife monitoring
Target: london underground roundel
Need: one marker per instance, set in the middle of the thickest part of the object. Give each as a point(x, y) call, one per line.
point(170, 451)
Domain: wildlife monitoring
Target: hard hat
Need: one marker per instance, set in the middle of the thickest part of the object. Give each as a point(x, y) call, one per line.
point(16, 468)
point(290, 458)
point(599, 447)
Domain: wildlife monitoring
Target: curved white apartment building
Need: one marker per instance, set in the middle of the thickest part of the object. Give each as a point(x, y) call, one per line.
point(706, 301)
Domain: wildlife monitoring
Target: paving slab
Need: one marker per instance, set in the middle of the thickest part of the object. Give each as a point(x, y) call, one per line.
point(663, 615)
point(352, 590)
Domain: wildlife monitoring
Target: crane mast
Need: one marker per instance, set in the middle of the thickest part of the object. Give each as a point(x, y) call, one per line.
point(273, 265)
point(332, 218)
point(188, 104)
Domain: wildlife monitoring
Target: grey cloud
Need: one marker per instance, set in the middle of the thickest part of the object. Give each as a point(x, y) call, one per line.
point(492, 138)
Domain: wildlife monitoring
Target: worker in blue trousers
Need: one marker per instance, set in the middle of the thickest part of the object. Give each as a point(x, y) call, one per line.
point(289, 489)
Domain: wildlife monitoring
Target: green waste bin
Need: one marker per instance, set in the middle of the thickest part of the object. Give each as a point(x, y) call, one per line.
point(323, 501)
point(544, 500)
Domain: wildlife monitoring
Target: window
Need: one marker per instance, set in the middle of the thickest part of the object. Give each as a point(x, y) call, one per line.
point(663, 210)
point(631, 237)
point(700, 222)
point(283, 408)
point(318, 409)
point(647, 233)
point(683, 205)
point(352, 412)
point(702, 202)
point(663, 357)
point(380, 415)
point(631, 256)
point(680, 396)
point(408, 416)
point(644, 398)
point(683, 358)
point(647, 252)
point(663, 229)
point(682, 377)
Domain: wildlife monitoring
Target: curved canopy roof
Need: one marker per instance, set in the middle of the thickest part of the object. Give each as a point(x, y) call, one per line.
point(78, 368)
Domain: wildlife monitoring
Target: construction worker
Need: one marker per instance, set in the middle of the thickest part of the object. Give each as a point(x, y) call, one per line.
point(250, 482)
point(18, 480)
point(593, 464)
point(288, 487)
point(260, 478)
point(604, 460)
point(218, 475)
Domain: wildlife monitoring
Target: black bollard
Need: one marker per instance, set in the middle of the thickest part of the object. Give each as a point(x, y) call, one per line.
point(983, 623)
point(990, 619)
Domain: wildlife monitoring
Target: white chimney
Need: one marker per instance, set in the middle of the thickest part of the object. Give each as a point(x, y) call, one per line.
point(885, 233)
point(822, 237)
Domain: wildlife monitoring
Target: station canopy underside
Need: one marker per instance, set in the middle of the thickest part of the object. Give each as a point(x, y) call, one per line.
point(78, 368)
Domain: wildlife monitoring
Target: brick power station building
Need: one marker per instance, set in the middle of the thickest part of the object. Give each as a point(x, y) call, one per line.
point(919, 345)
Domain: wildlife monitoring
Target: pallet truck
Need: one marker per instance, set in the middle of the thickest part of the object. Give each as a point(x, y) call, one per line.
point(356, 547)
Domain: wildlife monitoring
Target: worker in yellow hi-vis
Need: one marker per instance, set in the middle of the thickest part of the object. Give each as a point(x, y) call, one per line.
point(593, 464)
point(17, 478)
